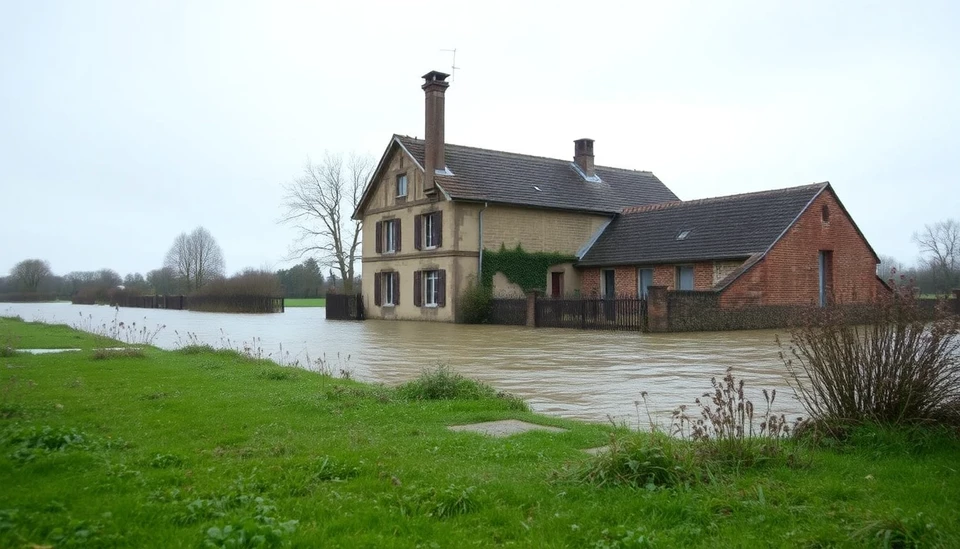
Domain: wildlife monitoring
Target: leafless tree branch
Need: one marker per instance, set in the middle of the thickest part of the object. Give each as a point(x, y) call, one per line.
point(319, 204)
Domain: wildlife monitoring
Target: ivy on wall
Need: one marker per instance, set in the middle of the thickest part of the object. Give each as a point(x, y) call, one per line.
point(525, 269)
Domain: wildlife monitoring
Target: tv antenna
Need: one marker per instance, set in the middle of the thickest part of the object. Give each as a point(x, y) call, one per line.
point(453, 65)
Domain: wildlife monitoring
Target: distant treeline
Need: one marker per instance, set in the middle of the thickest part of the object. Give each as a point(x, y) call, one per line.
point(107, 286)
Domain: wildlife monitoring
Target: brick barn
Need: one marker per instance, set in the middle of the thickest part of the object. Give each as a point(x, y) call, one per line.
point(794, 246)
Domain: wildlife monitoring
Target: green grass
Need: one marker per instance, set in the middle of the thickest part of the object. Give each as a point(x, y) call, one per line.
point(176, 449)
point(305, 302)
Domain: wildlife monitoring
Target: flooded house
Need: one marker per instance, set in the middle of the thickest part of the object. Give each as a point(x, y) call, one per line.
point(432, 207)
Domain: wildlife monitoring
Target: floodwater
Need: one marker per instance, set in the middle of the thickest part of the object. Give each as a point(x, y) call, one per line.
point(590, 375)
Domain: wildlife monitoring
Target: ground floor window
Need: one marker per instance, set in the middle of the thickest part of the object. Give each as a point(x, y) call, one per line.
point(429, 288)
point(386, 289)
point(432, 288)
point(608, 280)
point(644, 281)
point(685, 278)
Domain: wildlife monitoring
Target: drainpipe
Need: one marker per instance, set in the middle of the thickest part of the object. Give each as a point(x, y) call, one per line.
point(480, 244)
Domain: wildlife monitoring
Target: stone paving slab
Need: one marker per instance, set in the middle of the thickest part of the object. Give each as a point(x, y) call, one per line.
point(504, 428)
point(596, 451)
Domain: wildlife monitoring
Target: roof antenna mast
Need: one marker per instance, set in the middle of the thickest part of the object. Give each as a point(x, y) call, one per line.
point(453, 65)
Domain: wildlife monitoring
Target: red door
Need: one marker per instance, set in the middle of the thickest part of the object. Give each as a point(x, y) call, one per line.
point(556, 287)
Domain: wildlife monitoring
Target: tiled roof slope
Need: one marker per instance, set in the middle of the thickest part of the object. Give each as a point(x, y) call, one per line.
point(726, 227)
point(508, 178)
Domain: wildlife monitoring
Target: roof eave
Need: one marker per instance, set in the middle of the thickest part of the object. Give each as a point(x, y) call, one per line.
point(368, 190)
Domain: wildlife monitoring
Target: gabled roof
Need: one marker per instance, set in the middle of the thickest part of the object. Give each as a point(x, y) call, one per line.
point(728, 227)
point(484, 175)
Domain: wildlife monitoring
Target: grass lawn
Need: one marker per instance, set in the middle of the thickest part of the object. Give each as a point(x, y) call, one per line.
point(305, 302)
point(201, 447)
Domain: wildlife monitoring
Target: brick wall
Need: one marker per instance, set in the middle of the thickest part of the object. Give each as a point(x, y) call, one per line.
point(663, 275)
point(789, 274)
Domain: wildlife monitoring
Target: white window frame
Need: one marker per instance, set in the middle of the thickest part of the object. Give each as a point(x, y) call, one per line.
point(402, 178)
point(389, 289)
point(431, 298)
point(389, 233)
point(428, 221)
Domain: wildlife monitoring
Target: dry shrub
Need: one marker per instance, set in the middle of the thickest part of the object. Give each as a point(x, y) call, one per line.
point(249, 282)
point(895, 368)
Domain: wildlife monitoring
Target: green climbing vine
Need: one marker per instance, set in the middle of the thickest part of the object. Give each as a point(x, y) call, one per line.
point(525, 269)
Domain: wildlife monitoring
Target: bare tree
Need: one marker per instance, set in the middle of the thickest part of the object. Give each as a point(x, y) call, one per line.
point(207, 257)
point(29, 273)
point(195, 258)
point(319, 205)
point(939, 245)
point(180, 260)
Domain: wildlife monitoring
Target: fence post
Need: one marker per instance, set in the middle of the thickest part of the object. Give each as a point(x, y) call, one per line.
point(657, 313)
point(956, 301)
point(532, 309)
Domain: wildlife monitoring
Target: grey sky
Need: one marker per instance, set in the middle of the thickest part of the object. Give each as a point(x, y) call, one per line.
point(124, 123)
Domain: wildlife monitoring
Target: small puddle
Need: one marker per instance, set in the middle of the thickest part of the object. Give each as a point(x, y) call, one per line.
point(52, 351)
point(46, 351)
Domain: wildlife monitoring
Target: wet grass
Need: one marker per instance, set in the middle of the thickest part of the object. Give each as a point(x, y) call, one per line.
point(212, 448)
point(305, 302)
point(34, 335)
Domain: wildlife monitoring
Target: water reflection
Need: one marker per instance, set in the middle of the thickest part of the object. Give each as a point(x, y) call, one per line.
point(576, 374)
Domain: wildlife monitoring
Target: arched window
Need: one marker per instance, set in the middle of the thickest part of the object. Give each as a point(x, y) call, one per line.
point(825, 214)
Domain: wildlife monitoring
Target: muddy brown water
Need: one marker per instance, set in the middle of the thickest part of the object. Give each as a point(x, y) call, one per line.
point(588, 375)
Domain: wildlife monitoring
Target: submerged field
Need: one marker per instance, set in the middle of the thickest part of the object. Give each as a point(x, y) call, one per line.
point(201, 447)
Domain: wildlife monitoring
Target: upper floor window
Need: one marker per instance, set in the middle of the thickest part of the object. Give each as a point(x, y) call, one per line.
point(388, 236)
point(402, 185)
point(428, 230)
point(825, 214)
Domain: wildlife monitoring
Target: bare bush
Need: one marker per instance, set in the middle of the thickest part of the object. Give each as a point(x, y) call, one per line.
point(893, 369)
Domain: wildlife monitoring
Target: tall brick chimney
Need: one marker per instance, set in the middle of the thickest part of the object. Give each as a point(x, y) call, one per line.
point(583, 155)
point(434, 86)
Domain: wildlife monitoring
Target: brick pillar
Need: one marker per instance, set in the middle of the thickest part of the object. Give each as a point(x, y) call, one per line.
point(657, 319)
point(532, 309)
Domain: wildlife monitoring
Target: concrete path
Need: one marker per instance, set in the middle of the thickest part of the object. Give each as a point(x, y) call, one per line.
point(504, 428)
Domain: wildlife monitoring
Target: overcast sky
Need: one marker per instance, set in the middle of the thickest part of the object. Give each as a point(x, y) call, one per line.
point(123, 124)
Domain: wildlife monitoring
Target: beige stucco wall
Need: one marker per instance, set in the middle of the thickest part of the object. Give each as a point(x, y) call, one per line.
point(534, 230)
point(538, 230)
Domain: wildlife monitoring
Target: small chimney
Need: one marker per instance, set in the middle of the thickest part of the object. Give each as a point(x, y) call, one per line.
point(434, 86)
point(583, 156)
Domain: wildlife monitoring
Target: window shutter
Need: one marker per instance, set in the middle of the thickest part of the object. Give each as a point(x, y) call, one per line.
point(377, 300)
point(438, 229)
point(418, 288)
point(379, 232)
point(418, 232)
point(396, 287)
point(396, 233)
point(442, 282)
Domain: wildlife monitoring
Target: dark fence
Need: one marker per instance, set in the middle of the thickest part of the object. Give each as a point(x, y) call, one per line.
point(510, 311)
point(235, 303)
point(344, 307)
point(205, 303)
point(177, 302)
point(586, 313)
